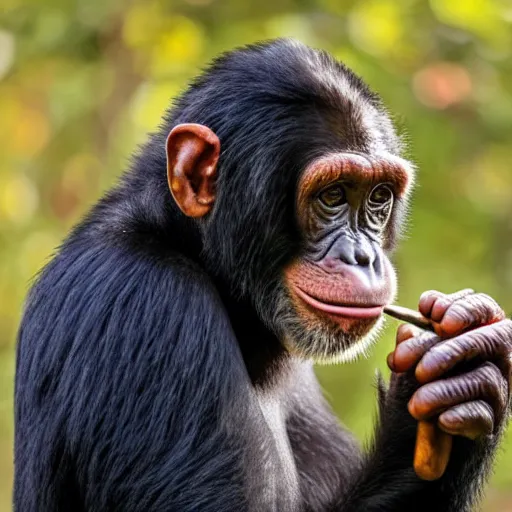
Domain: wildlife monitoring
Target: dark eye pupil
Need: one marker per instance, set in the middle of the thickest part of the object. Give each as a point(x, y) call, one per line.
point(333, 196)
point(381, 195)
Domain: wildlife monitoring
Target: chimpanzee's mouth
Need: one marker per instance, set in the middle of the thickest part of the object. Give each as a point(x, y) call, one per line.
point(346, 310)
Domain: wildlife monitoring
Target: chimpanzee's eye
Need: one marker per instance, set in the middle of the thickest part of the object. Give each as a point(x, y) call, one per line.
point(380, 196)
point(333, 196)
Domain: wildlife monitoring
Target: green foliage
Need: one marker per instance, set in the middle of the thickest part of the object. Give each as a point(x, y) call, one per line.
point(82, 82)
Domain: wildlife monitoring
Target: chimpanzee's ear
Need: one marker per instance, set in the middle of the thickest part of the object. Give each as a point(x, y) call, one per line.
point(192, 154)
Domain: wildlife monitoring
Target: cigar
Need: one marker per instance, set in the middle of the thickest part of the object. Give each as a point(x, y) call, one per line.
point(433, 446)
point(409, 315)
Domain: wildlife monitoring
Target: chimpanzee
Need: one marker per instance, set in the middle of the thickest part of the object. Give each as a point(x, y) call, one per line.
point(164, 360)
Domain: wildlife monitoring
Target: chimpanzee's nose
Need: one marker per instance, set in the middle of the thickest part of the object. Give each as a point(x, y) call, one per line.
point(354, 252)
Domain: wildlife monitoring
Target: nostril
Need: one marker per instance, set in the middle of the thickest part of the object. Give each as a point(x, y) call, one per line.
point(352, 252)
point(377, 264)
point(363, 258)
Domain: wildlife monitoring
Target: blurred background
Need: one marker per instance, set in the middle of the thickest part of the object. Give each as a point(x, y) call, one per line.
point(83, 81)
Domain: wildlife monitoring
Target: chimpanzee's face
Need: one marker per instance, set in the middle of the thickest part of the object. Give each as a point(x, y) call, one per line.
point(336, 289)
point(333, 292)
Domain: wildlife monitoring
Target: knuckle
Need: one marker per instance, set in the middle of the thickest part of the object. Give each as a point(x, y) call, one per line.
point(500, 334)
point(485, 416)
point(494, 384)
point(483, 297)
point(472, 305)
point(481, 412)
point(424, 339)
point(480, 408)
point(490, 375)
point(488, 307)
point(483, 341)
point(476, 303)
point(450, 349)
point(460, 311)
point(477, 308)
point(485, 411)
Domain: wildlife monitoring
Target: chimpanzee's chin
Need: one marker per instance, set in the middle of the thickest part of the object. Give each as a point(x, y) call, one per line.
point(327, 343)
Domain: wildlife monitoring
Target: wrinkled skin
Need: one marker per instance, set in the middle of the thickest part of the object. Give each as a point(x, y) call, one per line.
point(464, 368)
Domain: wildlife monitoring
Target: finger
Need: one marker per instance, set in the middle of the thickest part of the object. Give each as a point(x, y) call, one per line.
point(430, 297)
point(409, 351)
point(470, 311)
point(442, 304)
point(471, 420)
point(484, 383)
point(427, 300)
point(487, 342)
point(403, 333)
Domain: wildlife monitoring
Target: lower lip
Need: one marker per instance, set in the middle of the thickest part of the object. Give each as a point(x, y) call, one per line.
point(345, 311)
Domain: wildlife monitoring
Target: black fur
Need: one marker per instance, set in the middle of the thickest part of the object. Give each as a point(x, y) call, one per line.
point(148, 341)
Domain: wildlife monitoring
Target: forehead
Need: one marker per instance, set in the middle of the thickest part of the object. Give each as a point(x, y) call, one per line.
point(363, 168)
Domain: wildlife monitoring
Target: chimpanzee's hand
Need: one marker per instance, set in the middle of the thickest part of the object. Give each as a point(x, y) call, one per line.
point(464, 369)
